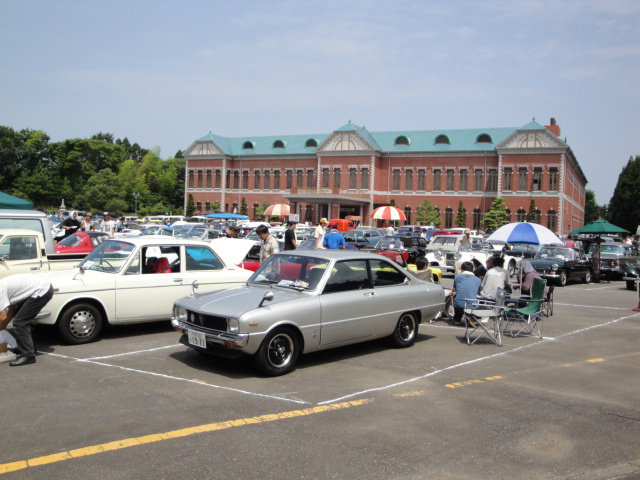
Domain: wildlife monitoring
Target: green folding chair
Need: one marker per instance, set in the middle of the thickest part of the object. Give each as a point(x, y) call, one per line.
point(524, 316)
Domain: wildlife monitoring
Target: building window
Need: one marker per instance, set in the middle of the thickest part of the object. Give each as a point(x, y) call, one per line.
point(236, 180)
point(396, 180)
point(450, 174)
point(522, 179)
point(492, 181)
point(401, 140)
point(276, 180)
point(552, 220)
point(477, 219)
point(299, 178)
point(190, 181)
point(245, 180)
point(199, 207)
point(227, 183)
point(537, 179)
point(553, 179)
point(248, 145)
point(479, 181)
point(218, 179)
point(310, 183)
point(353, 183)
point(336, 178)
point(289, 179)
point(442, 140)
point(311, 143)
point(256, 180)
point(208, 179)
point(422, 175)
point(408, 180)
point(407, 213)
point(520, 215)
point(200, 176)
point(256, 205)
point(207, 206)
point(278, 144)
point(448, 218)
point(464, 180)
point(325, 178)
point(484, 138)
point(508, 179)
point(437, 180)
point(364, 179)
point(267, 180)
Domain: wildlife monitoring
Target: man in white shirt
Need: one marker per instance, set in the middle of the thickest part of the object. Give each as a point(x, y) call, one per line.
point(390, 232)
point(22, 296)
point(107, 225)
point(495, 278)
point(319, 233)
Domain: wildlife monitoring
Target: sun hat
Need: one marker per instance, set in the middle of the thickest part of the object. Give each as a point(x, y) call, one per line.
point(323, 220)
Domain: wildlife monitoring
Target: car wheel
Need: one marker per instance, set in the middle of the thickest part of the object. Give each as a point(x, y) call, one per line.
point(278, 353)
point(587, 277)
point(631, 285)
point(406, 330)
point(562, 281)
point(512, 268)
point(80, 323)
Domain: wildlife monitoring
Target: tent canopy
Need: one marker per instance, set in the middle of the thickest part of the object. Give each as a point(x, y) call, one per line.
point(228, 216)
point(9, 201)
point(600, 226)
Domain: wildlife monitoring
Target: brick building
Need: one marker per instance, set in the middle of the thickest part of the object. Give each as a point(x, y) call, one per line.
point(351, 171)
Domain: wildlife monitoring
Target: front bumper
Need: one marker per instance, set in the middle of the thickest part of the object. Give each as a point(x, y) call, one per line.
point(214, 338)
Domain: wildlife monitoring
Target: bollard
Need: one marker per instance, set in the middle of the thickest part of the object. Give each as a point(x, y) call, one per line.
point(637, 309)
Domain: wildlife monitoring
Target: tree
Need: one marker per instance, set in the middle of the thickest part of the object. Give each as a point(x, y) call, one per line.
point(191, 206)
point(21, 152)
point(260, 210)
point(624, 208)
point(102, 192)
point(497, 214)
point(592, 211)
point(461, 219)
point(243, 207)
point(392, 203)
point(427, 214)
point(534, 215)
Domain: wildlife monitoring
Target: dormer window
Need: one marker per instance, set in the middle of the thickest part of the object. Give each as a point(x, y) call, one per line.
point(278, 144)
point(248, 145)
point(311, 143)
point(484, 138)
point(401, 140)
point(442, 140)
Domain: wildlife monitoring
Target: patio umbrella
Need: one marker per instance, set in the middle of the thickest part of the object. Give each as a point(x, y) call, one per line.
point(522, 232)
point(387, 213)
point(599, 226)
point(278, 210)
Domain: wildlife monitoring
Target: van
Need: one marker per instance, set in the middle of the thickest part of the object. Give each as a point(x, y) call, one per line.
point(341, 224)
point(30, 220)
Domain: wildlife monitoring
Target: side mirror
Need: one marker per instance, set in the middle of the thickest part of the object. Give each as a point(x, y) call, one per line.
point(267, 298)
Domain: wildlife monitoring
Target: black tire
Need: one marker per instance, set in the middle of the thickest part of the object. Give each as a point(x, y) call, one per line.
point(587, 277)
point(562, 281)
point(80, 323)
point(512, 268)
point(278, 353)
point(631, 285)
point(406, 330)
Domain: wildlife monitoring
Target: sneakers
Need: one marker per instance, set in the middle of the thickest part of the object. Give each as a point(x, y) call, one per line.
point(7, 357)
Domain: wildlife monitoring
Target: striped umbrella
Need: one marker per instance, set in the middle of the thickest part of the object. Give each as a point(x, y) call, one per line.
point(278, 210)
point(387, 213)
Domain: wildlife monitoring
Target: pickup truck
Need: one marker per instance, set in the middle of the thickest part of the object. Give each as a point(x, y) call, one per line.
point(23, 251)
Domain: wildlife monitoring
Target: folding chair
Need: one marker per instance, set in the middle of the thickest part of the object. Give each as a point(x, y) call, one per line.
point(547, 303)
point(485, 317)
point(526, 320)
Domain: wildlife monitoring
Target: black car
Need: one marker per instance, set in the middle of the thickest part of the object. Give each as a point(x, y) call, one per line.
point(415, 246)
point(562, 264)
point(614, 258)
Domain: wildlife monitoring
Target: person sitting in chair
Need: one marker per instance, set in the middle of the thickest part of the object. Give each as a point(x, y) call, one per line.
point(465, 286)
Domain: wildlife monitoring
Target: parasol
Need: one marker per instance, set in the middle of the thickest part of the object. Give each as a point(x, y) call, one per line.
point(387, 213)
point(278, 210)
point(599, 226)
point(522, 232)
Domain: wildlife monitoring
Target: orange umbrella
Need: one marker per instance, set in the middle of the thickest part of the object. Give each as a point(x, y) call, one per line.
point(278, 210)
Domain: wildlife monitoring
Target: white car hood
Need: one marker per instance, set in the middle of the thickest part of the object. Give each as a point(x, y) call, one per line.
point(232, 248)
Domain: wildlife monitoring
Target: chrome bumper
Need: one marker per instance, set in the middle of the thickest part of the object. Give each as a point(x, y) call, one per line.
point(217, 338)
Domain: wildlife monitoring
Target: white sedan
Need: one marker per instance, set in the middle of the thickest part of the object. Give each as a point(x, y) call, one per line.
point(135, 280)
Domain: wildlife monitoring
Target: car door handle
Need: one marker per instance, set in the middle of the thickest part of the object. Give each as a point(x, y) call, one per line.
point(370, 294)
point(177, 280)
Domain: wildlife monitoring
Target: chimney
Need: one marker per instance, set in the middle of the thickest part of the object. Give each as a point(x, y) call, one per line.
point(553, 128)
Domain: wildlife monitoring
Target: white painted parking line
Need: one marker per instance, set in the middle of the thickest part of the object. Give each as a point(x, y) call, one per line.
point(602, 288)
point(135, 352)
point(590, 306)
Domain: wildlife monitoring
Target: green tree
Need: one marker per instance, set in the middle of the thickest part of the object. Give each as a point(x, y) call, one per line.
point(215, 207)
point(592, 211)
point(497, 214)
point(393, 202)
point(624, 208)
point(260, 210)
point(533, 216)
point(102, 192)
point(191, 206)
point(461, 219)
point(43, 187)
point(21, 152)
point(427, 214)
point(243, 207)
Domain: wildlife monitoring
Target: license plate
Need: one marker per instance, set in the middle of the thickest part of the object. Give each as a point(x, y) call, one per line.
point(197, 339)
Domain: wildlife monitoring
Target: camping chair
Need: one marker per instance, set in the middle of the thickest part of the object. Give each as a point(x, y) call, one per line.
point(525, 316)
point(547, 303)
point(485, 317)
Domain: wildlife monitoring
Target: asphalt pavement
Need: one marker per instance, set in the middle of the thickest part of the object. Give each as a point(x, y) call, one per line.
point(139, 404)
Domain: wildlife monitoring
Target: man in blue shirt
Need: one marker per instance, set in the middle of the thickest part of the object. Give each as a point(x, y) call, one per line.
point(465, 285)
point(334, 241)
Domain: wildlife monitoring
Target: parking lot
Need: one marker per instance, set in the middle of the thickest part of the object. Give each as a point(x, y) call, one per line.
point(137, 403)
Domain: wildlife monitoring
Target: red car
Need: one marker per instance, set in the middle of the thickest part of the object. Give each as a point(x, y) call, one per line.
point(81, 242)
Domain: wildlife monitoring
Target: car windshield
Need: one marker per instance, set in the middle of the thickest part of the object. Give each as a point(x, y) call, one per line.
point(615, 249)
point(150, 230)
point(71, 241)
point(110, 256)
point(291, 271)
point(555, 252)
point(390, 244)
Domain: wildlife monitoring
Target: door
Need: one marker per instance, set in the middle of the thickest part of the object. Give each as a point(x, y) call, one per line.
point(205, 272)
point(20, 254)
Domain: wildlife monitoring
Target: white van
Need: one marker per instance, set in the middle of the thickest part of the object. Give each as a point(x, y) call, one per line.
point(30, 220)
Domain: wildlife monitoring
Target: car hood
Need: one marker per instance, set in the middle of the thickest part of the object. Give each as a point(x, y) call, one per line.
point(233, 248)
point(236, 301)
point(546, 263)
point(66, 281)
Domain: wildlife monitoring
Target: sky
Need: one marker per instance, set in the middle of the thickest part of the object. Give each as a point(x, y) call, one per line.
point(165, 73)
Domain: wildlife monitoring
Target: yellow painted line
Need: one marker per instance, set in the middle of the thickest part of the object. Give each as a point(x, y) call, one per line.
point(212, 427)
point(595, 360)
point(409, 394)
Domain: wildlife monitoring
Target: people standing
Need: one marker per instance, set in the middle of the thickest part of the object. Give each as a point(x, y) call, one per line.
point(526, 274)
point(86, 225)
point(22, 296)
point(269, 243)
point(334, 241)
point(71, 224)
point(233, 231)
point(319, 233)
point(390, 232)
point(290, 237)
point(107, 225)
point(465, 286)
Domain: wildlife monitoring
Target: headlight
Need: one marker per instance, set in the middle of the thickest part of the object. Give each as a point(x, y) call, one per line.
point(457, 256)
point(438, 254)
point(233, 325)
point(554, 266)
point(180, 313)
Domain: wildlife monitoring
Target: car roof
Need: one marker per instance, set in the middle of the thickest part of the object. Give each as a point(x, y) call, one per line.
point(158, 240)
point(332, 254)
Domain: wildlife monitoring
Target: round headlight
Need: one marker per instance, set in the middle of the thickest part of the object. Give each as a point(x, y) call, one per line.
point(438, 254)
point(233, 325)
point(181, 314)
point(457, 256)
point(554, 266)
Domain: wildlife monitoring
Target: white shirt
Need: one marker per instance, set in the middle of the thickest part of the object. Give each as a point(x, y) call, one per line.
point(108, 227)
point(389, 232)
point(15, 289)
point(494, 279)
point(319, 235)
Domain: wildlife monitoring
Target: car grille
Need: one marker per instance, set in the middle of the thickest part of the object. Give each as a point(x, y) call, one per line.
point(210, 322)
point(450, 260)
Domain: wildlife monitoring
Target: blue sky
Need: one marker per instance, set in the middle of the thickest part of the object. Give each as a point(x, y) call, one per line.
point(164, 73)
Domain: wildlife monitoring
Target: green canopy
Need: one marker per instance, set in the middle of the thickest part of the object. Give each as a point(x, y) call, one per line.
point(9, 201)
point(599, 226)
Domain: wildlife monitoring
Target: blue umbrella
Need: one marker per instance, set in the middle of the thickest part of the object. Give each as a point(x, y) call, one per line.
point(522, 232)
point(228, 216)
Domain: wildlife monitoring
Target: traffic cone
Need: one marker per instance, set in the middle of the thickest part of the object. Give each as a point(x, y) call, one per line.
point(637, 309)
